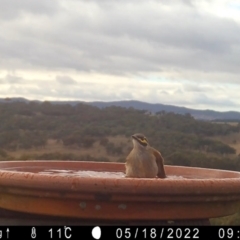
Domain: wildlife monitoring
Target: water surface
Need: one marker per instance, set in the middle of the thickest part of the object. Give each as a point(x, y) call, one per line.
point(89, 174)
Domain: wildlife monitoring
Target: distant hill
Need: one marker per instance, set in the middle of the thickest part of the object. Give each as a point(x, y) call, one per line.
point(208, 115)
point(154, 108)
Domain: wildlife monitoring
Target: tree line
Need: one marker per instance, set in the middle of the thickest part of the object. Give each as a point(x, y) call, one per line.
point(29, 125)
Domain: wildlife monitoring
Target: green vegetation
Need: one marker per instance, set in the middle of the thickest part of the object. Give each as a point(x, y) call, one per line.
point(180, 138)
point(84, 132)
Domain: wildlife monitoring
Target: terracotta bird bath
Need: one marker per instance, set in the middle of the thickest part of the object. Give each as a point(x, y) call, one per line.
point(88, 192)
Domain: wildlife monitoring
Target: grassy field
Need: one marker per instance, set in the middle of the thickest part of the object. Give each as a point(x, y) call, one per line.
point(233, 140)
point(97, 150)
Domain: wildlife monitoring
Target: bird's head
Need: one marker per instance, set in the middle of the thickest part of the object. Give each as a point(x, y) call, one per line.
point(139, 140)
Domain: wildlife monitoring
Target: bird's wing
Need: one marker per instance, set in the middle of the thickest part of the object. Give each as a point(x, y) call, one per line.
point(160, 163)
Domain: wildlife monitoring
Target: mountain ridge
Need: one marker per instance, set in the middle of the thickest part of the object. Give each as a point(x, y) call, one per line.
point(153, 108)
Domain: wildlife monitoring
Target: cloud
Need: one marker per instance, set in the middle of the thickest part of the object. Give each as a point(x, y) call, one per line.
point(197, 88)
point(11, 79)
point(108, 50)
point(100, 88)
point(122, 38)
point(213, 101)
point(65, 80)
point(13, 9)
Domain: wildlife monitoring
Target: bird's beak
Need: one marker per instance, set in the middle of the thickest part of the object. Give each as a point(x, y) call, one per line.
point(143, 141)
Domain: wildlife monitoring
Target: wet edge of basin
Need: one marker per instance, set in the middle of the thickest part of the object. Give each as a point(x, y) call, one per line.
point(221, 183)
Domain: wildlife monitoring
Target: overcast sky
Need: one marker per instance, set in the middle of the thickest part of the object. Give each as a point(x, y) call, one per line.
point(178, 52)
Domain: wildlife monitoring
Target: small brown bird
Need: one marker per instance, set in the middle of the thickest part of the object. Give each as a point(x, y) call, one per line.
point(144, 161)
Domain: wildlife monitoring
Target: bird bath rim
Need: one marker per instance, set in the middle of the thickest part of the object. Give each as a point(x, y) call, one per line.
point(216, 193)
point(180, 176)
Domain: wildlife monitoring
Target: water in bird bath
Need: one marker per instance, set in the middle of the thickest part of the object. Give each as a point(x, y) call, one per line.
point(83, 173)
point(89, 173)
